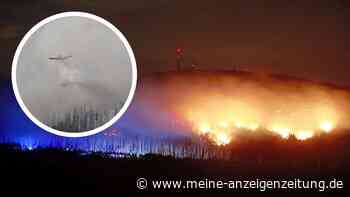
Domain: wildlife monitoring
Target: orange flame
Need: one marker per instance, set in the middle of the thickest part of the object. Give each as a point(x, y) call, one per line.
point(221, 130)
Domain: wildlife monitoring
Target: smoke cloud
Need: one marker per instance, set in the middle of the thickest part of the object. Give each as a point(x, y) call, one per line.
point(202, 101)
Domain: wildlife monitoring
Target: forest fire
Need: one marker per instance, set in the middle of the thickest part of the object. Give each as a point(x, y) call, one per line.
point(223, 132)
point(225, 106)
point(220, 115)
point(326, 126)
point(221, 121)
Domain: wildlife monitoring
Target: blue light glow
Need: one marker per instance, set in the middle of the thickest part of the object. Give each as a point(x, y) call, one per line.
point(135, 134)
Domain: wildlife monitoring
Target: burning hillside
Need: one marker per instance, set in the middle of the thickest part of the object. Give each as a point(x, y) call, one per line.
point(224, 105)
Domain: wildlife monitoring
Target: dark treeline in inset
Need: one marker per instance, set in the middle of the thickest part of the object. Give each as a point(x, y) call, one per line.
point(83, 118)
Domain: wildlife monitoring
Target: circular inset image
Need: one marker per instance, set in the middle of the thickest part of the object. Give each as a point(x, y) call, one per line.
point(74, 74)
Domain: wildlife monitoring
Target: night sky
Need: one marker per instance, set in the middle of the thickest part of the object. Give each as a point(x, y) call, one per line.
point(308, 39)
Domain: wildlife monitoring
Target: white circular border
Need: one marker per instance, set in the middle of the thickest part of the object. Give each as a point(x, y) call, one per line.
point(126, 45)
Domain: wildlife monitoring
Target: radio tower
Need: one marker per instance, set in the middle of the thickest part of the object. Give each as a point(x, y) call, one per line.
point(179, 58)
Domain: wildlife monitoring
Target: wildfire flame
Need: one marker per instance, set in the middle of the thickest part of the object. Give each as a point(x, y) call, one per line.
point(213, 123)
point(222, 133)
point(223, 106)
point(326, 126)
point(222, 138)
point(303, 135)
point(283, 132)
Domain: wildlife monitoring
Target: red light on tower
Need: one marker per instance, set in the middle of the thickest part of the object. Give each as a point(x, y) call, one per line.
point(179, 58)
point(178, 50)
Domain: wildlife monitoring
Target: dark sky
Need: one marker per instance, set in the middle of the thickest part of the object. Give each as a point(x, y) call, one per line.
point(308, 39)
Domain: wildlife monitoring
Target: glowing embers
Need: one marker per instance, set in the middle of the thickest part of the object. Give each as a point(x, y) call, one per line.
point(204, 128)
point(222, 138)
point(223, 132)
point(326, 126)
point(282, 131)
point(220, 133)
point(299, 134)
point(304, 134)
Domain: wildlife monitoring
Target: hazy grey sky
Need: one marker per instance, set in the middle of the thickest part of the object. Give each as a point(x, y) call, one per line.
point(99, 73)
